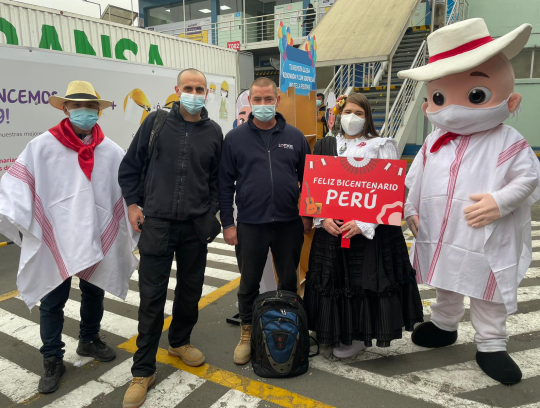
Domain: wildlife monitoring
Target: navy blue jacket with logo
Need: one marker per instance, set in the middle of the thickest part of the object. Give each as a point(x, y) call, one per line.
point(267, 179)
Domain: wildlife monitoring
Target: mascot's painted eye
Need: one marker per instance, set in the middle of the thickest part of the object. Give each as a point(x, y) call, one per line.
point(479, 95)
point(438, 98)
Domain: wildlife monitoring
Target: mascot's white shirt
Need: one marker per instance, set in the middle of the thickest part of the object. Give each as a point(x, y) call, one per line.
point(484, 263)
point(70, 225)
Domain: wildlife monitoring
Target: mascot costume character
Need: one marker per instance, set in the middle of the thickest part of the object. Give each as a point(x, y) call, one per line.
point(471, 187)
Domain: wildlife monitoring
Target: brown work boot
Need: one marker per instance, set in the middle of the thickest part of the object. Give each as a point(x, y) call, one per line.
point(136, 392)
point(190, 355)
point(242, 352)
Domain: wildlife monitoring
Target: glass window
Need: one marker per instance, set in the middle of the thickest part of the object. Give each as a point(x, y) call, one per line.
point(198, 9)
point(522, 63)
point(172, 13)
point(536, 64)
point(229, 6)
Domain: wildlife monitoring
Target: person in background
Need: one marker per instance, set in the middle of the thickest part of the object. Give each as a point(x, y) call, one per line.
point(369, 291)
point(178, 217)
point(322, 129)
point(263, 162)
point(59, 203)
point(309, 19)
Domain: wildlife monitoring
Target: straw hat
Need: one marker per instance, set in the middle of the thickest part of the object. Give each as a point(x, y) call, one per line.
point(80, 91)
point(465, 45)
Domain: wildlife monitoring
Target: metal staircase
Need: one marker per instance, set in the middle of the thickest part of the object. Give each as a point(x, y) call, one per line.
point(403, 59)
point(405, 96)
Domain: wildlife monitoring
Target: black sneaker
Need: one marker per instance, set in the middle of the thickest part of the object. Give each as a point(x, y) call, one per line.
point(97, 349)
point(50, 381)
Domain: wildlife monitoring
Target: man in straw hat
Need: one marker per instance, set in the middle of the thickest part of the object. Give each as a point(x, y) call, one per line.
point(470, 191)
point(59, 196)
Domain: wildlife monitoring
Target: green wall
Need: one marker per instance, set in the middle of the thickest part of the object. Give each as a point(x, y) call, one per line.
point(528, 120)
point(502, 16)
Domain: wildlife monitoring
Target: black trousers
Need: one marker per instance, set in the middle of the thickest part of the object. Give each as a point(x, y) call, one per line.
point(160, 239)
point(285, 240)
point(51, 316)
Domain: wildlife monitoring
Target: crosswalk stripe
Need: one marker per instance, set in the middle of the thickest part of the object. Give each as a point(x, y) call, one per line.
point(234, 398)
point(82, 396)
point(535, 223)
point(19, 384)
point(525, 294)
point(27, 332)
point(221, 274)
point(535, 233)
point(465, 377)
point(119, 375)
point(111, 322)
point(107, 383)
point(172, 390)
point(223, 247)
point(172, 286)
point(516, 324)
point(393, 384)
point(231, 260)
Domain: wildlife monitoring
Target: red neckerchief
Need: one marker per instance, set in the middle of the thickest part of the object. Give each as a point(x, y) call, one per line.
point(441, 141)
point(63, 132)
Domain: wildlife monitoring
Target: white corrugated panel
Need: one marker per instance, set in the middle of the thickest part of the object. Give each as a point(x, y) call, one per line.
point(25, 25)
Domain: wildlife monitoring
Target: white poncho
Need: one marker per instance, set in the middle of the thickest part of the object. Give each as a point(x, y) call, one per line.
point(485, 263)
point(70, 225)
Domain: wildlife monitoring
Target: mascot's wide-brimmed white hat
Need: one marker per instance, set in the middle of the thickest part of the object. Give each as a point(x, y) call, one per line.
point(465, 45)
point(79, 91)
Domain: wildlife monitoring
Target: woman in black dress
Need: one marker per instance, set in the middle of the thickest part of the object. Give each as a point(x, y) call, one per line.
point(369, 291)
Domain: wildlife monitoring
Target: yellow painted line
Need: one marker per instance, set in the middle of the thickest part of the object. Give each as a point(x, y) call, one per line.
point(267, 392)
point(9, 295)
point(426, 303)
point(131, 344)
point(278, 396)
point(409, 245)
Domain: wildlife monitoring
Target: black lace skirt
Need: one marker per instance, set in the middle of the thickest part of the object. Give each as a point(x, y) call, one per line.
point(363, 293)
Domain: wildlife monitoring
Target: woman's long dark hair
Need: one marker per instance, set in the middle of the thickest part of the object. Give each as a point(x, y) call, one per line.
point(362, 101)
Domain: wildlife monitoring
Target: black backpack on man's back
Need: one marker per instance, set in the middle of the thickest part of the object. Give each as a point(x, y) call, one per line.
point(280, 338)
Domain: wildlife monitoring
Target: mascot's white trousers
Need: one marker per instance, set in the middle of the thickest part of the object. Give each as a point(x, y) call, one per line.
point(487, 318)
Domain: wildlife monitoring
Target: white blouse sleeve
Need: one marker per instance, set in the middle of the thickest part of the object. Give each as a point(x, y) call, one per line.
point(387, 150)
point(317, 222)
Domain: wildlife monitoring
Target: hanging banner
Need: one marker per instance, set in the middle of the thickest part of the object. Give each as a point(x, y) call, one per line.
point(297, 68)
point(29, 80)
point(349, 188)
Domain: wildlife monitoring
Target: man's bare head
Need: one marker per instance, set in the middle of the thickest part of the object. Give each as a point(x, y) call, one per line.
point(191, 80)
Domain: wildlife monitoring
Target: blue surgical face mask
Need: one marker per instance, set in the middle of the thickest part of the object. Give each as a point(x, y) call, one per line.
point(319, 102)
point(192, 103)
point(83, 118)
point(265, 113)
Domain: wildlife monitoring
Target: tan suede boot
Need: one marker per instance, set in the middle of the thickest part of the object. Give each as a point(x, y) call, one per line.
point(190, 355)
point(242, 352)
point(136, 392)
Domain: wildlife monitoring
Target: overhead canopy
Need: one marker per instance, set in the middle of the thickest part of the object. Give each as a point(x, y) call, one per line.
point(356, 31)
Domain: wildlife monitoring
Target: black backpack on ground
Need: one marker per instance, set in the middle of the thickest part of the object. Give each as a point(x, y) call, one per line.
point(280, 338)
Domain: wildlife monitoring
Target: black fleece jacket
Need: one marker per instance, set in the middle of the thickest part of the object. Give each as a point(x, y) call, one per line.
point(265, 179)
point(181, 182)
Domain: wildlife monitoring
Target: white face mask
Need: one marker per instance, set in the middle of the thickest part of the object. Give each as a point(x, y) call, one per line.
point(352, 124)
point(211, 96)
point(463, 120)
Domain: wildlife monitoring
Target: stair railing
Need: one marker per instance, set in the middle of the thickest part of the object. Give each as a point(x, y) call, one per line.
point(405, 95)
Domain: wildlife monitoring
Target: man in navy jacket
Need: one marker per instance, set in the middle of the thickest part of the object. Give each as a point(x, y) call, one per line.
point(263, 162)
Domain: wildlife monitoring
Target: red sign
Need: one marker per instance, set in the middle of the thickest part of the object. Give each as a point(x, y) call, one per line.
point(349, 188)
point(234, 45)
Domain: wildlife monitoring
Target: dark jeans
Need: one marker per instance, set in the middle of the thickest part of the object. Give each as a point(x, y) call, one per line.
point(51, 316)
point(159, 241)
point(285, 240)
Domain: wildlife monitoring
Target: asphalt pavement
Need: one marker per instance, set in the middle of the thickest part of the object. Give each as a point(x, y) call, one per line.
point(403, 375)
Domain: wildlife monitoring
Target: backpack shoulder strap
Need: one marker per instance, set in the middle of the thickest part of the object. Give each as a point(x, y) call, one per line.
point(159, 121)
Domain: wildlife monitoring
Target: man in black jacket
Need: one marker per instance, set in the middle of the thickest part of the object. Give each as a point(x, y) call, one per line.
point(265, 157)
point(180, 204)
